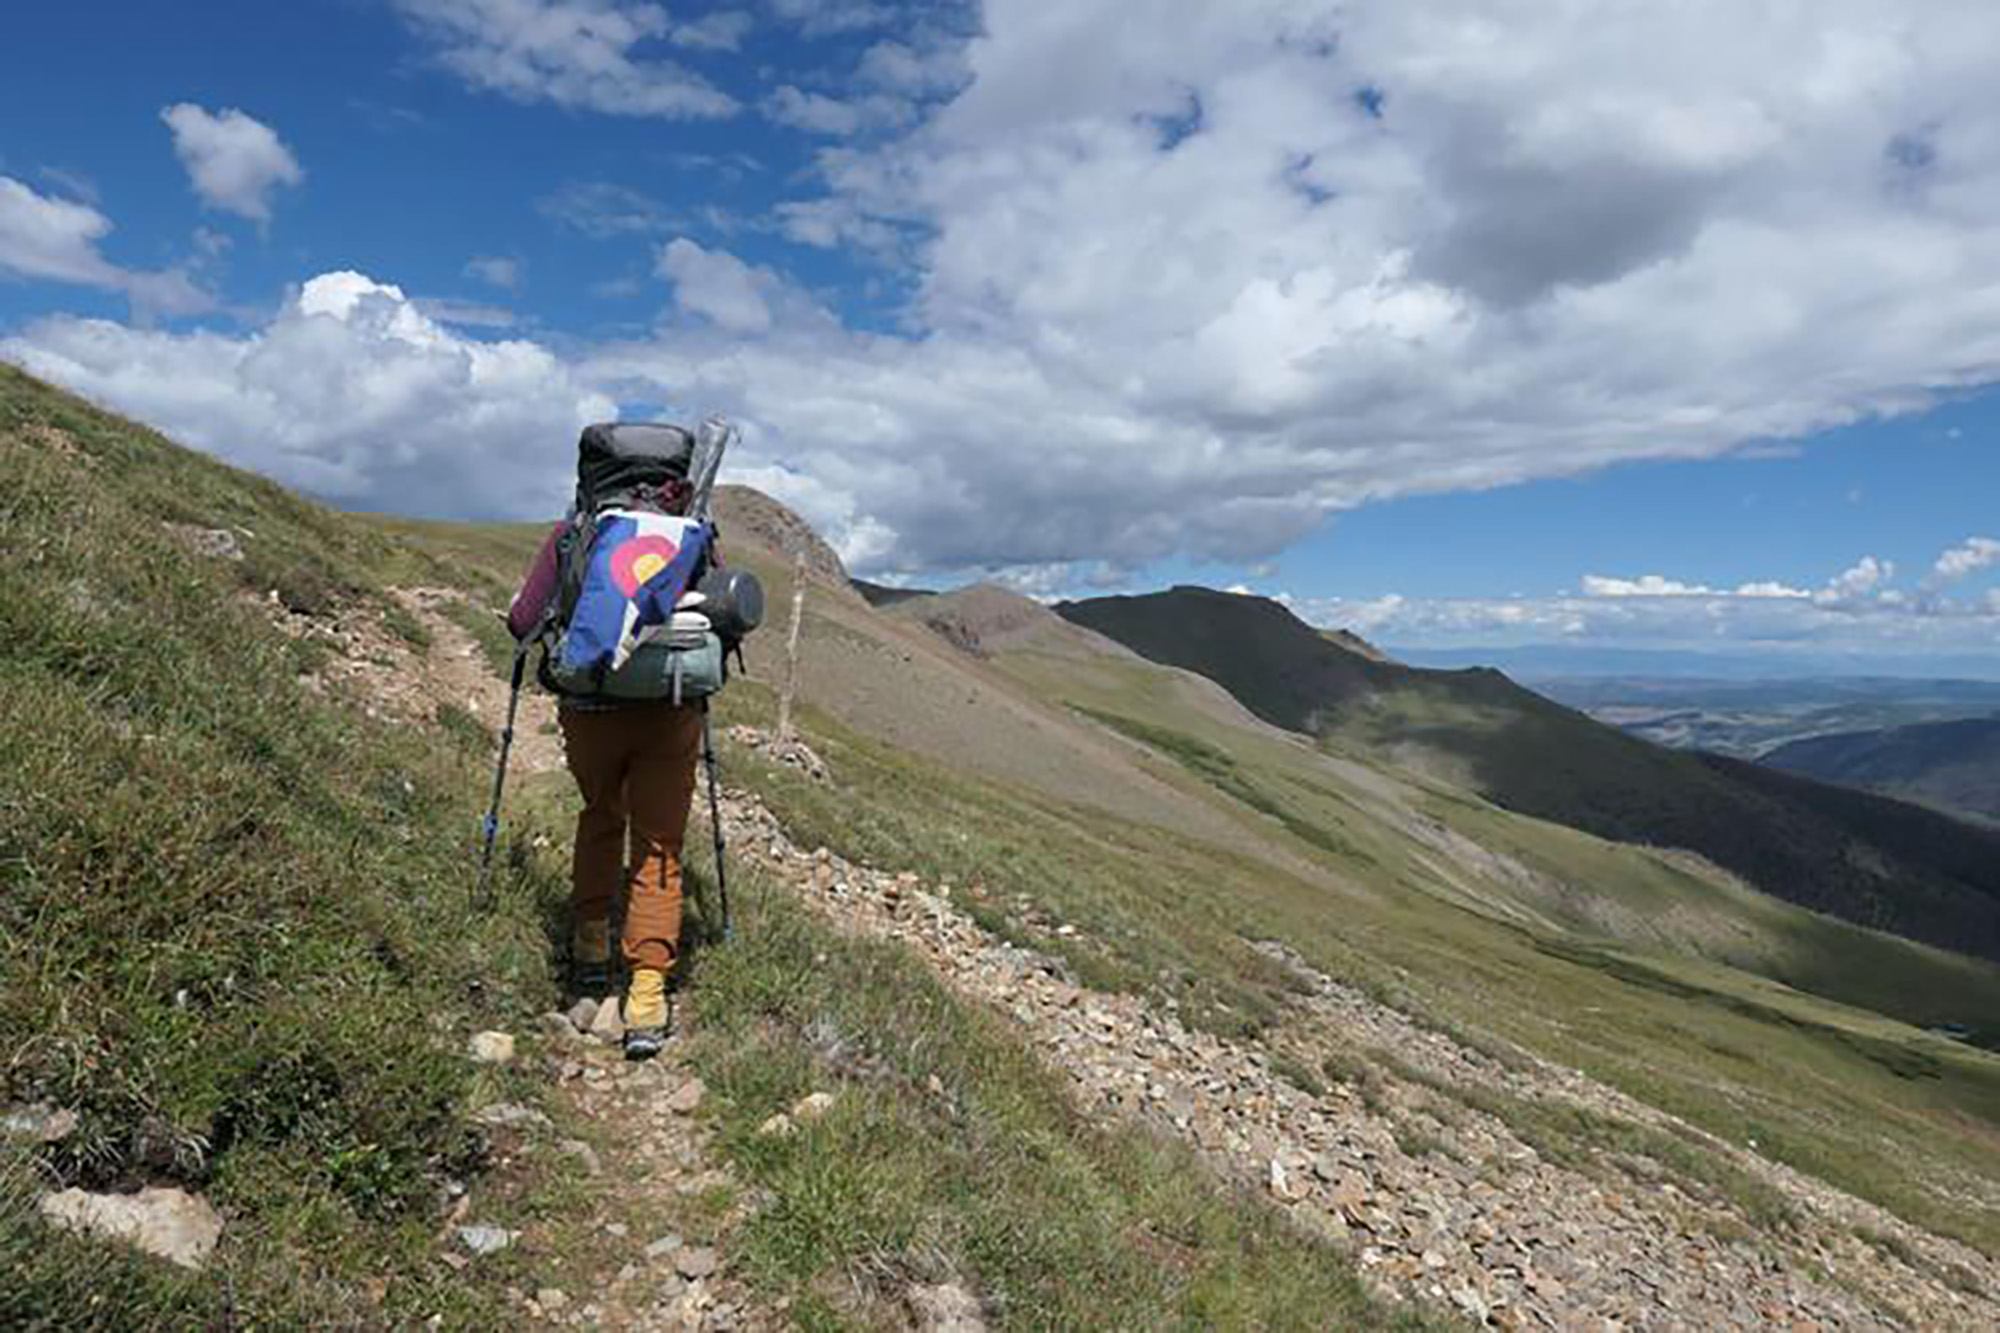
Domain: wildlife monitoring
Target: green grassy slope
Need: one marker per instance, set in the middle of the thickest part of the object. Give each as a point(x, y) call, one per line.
point(1951, 765)
point(233, 926)
point(1878, 863)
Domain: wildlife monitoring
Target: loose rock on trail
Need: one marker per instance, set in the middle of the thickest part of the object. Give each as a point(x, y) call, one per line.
point(1451, 1209)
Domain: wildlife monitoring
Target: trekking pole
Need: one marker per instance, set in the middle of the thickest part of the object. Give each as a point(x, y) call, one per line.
point(490, 826)
point(715, 818)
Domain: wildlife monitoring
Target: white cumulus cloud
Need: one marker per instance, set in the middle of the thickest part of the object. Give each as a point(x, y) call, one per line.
point(1649, 585)
point(719, 30)
point(574, 53)
point(351, 393)
point(56, 240)
point(46, 237)
point(1976, 554)
point(234, 160)
point(818, 113)
point(1854, 587)
point(717, 286)
point(1167, 280)
point(1298, 257)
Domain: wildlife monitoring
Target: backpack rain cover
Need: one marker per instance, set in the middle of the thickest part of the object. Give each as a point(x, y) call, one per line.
point(639, 565)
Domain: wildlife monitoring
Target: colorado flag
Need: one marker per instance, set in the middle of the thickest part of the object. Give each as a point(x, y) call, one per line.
point(639, 565)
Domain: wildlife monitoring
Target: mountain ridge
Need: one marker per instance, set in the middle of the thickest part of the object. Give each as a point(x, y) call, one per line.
point(1936, 880)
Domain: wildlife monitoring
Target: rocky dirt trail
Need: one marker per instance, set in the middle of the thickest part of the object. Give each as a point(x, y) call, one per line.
point(1441, 1202)
point(655, 1253)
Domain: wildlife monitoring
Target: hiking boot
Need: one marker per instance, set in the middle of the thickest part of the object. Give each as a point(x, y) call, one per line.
point(649, 1013)
point(590, 956)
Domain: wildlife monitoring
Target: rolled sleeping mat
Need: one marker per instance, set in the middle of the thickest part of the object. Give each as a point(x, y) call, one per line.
point(733, 601)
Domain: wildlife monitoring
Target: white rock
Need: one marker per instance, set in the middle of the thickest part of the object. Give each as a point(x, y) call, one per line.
point(607, 1024)
point(484, 1239)
point(39, 1122)
point(170, 1223)
point(507, 1115)
point(812, 1107)
point(687, 1098)
point(696, 1261)
point(582, 1014)
point(945, 1308)
point(492, 1048)
point(777, 1127)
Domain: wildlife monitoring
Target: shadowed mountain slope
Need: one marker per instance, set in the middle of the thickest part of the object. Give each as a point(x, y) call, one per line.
point(1879, 863)
point(1281, 669)
point(1950, 765)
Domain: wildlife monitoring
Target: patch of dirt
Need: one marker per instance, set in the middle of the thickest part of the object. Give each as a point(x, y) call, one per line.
point(986, 619)
point(388, 677)
point(454, 669)
point(58, 441)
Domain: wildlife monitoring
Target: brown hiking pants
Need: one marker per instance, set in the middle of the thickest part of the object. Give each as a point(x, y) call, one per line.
point(635, 767)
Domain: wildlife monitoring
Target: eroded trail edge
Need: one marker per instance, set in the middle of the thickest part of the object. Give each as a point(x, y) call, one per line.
point(1412, 1162)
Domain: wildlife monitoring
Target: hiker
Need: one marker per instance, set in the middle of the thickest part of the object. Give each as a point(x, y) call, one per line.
point(634, 665)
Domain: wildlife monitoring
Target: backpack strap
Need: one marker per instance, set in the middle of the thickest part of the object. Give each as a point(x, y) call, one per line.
point(572, 563)
point(572, 547)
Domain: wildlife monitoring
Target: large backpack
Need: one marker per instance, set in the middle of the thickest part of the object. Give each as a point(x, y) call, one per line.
point(625, 557)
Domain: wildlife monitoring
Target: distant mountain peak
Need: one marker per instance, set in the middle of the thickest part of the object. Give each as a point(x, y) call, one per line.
point(985, 617)
point(773, 525)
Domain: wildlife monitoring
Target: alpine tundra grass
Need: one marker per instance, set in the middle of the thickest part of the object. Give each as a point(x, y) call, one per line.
point(233, 934)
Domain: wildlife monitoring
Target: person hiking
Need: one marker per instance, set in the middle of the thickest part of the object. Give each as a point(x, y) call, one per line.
point(633, 758)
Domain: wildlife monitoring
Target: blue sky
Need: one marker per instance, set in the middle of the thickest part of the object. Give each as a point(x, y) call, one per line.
point(1798, 513)
point(1451, 321)
point(408, 173)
